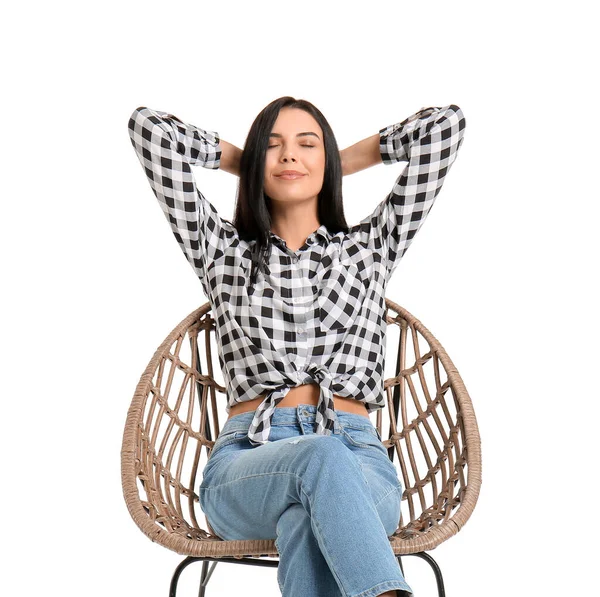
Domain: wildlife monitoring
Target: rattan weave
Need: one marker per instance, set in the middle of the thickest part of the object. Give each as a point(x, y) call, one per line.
point(429, 428)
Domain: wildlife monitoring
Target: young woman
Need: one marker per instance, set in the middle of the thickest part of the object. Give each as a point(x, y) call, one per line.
point(299, 301)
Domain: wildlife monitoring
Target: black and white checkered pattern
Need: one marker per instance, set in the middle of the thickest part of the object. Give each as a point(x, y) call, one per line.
point(317, 314)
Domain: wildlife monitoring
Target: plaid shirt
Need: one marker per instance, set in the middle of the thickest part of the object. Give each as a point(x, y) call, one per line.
point(317, 315)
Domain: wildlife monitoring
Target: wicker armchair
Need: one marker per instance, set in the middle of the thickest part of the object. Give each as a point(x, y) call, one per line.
point(430, 431)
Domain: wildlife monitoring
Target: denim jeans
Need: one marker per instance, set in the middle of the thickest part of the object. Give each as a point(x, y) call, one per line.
point(329, 501)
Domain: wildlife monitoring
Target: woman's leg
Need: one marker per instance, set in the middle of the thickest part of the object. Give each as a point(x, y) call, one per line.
point(299, 550)
point(296, 543)
point(259, 492)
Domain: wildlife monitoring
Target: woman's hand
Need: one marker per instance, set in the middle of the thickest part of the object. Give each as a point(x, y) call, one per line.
point(230, 157)
point(361, 155)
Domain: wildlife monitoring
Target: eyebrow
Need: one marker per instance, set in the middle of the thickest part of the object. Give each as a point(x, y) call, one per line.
point(298, 135)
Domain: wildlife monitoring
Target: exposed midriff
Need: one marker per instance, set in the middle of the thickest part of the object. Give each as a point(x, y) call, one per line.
point(304, 394)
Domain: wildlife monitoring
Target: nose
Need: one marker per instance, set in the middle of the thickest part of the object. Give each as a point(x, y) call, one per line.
point(287, 156)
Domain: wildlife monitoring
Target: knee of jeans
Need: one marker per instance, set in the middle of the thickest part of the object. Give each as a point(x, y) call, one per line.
point(328, 452)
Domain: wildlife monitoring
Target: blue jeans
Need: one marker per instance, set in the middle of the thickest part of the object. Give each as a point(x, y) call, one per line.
point(330, 502)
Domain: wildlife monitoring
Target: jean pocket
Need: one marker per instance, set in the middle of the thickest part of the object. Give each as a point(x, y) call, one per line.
point(229, 437)
point(363, 436)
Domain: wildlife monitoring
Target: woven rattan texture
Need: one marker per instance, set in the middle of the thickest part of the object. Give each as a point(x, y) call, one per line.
point(429, 428)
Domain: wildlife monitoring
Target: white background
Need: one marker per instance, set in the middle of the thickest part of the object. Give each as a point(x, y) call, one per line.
point(503, 272)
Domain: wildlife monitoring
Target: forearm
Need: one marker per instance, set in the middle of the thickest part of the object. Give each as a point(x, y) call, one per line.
point(367, 153)
point(230, 158)
point(361, 155)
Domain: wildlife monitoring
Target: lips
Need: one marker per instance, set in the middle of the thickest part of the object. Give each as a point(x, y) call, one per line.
point(290, 175)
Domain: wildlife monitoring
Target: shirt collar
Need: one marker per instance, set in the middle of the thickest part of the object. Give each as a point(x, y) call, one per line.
point(320, 231)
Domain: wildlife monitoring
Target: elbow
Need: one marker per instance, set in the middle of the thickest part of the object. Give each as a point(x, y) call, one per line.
point(142, 111)
point(136, 120)
point(145, 123)
point(451, 124)
point(457, 117)
point(139, 115)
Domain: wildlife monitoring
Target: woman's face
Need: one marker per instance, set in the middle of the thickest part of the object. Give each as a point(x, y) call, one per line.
point(295, 143)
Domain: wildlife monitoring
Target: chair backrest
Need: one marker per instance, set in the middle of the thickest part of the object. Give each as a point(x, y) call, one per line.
point(429, 428)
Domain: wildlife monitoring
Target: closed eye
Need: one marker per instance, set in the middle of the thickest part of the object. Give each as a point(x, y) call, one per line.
point(270, 146)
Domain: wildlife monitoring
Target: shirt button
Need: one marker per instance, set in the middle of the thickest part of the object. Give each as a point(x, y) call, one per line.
point(300, 330)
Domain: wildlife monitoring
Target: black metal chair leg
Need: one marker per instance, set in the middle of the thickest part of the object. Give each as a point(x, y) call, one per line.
point(436, 570)
point(204, 578)
point(206, 573)
point(175, 579)
point(399, 558)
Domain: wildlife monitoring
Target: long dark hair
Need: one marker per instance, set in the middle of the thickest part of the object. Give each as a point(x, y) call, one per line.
point(252, 217)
